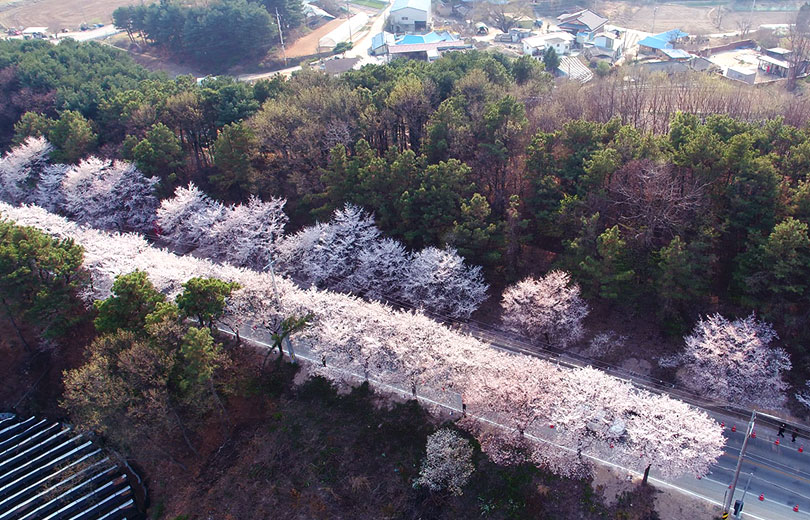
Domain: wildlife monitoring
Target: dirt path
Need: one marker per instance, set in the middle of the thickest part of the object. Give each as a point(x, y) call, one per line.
point(58, 14)
point(307, 45)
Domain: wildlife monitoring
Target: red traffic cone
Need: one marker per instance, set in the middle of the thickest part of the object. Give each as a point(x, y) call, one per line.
point(734, 427)
point(777, 442)
point(801, 448)
point(722, 424)
point(796, 508)
point(753, 434)
point(762, 497)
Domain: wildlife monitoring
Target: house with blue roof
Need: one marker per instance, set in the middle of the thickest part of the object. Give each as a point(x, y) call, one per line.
point(380, 43)
point(431, 37)
point(662, 44)
point(410, 16)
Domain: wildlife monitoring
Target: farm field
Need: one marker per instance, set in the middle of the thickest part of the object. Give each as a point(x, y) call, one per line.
point(373, 4)
point(694, 20)
point(57, 14)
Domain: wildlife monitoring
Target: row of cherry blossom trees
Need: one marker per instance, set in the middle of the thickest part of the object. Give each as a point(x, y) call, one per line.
point(242, 234)
point(346, 254)
point(725, 360)
point(522, 408)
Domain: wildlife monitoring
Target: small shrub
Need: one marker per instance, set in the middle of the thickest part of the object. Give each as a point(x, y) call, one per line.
point(448, 463)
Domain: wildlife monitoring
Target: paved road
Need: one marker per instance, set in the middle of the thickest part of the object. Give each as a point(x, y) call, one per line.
point(777, 472)
point(362, 43)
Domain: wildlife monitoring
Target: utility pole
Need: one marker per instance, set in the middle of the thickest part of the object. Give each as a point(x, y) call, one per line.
point(730, 494)
point(281, 38)
point(751, 18)
point(278, 302)
point(349, 21)
point(655, 10)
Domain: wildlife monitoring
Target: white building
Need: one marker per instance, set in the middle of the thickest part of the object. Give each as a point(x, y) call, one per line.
point(559, 41)
point(410, 16)
point(343, 33)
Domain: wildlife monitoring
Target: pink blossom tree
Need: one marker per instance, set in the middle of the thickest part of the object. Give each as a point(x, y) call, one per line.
point(803, 396)
point(21, 167)
point(247, 234)
point(440, 282)
point(548, 308)
point(109, 195)
point(187, 220)
point(612, 418)
point(734, 361)
point(382, 270)
point(48, 193)
point(448, 462)
point(327, 255)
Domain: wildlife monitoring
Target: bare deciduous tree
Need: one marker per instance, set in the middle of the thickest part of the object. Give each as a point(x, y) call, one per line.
point(652, 200)
point(799, 37)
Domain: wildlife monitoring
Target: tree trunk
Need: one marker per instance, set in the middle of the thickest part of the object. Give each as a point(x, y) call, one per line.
point(219, 401)
point(16, 327)
point(183, 431)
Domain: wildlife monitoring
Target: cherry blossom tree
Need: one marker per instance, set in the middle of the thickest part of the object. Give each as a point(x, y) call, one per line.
point(382, 270)
point(604, 343)
point(327, 255)
point(612, 418)
point(439, 282)
point(21, 167)
point(343, 345)
point(248, 233)
point(102, 193)
point(187, 220)
point(48, 193)
point(109, 195)
point(447, 463)
point(549, 308)
point(348, 255)
point(734, 361)
point(804, 395)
